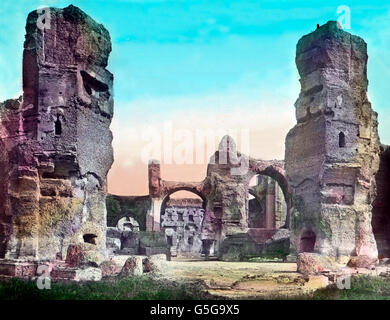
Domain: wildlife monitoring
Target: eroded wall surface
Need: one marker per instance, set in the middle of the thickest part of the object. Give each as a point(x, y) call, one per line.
point(332, 154)
point(56, 142)
point(182, 225)
point(381, 205)
point(225, 198)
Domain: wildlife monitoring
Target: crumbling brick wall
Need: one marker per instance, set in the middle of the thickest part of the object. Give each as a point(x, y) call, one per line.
point(55, 142)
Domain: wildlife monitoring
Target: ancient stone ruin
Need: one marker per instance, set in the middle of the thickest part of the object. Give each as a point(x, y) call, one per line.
point(331, 190)
point(326, 205)
point(332, 154)
point(230, 229)
point(182, 224)
point(56, 142)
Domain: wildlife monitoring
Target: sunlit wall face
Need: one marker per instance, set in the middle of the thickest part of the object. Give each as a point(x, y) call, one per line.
point(201, 65)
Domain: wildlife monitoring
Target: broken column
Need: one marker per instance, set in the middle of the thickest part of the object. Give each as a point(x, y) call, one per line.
point(155, 191)
point(270, 205)
point(56, 142)
point(332, 154)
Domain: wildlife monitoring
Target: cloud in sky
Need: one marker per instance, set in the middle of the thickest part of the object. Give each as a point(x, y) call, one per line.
point(204, 64)
point(266, 116)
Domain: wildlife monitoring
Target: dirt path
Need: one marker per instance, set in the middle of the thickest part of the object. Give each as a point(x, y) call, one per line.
point(244, 279)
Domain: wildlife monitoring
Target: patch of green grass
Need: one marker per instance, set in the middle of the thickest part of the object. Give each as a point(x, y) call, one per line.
point(134, 288)
point(362, 288)
point(149, 288)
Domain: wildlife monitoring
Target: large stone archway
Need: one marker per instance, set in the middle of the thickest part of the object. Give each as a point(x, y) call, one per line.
point(160, 190)
point(189, 188)
point(275, 170)
point(181, 220)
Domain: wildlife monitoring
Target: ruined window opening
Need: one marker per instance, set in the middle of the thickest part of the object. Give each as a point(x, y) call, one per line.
point(307, 243)
point(92, 84)
point(170, 241)
point(180, 217)
point(58, 126)
point(190, 241)
point(191, 218)
point(341, 140)
point(90, 238)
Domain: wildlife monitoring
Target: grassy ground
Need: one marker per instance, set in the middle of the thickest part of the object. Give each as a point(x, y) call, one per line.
point(362, 288)
point(149, 288)
point(135, 288)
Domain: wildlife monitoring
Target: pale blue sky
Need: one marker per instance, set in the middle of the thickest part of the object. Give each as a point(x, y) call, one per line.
point(180, 49)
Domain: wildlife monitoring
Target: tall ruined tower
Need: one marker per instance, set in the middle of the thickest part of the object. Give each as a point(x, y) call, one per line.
point(55, 142)
point(332, 152)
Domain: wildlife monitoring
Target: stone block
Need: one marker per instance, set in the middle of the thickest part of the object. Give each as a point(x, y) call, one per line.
point(362, 261)
point(313, 263)
point(133, 266)
point(110, 268)
point(74, 256)
point(129, 239)
point(113, 232)
point(18, 269)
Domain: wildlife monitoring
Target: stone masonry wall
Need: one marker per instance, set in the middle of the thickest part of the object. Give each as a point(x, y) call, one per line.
point(55, 142)
point(381, 205)
point(182, 224)
point(332, 154)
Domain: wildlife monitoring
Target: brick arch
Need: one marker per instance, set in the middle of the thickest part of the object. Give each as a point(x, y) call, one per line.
point(189, 188)
point(275, 170)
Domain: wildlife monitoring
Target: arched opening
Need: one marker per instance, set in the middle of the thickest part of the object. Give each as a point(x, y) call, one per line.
point(58, 126)
point(341, 140)
point(182, 213)
point(307, 241)
point(267, 206)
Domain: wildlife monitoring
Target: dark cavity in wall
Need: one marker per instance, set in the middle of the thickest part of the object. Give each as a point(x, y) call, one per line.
point(381, 205)
point(90, 238)
point(341, 140)
point(308, 240)
point(58, 126)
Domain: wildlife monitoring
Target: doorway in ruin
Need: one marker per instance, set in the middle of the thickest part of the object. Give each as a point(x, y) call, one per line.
point(307, 241)
point(182, 214)
point(267, 207)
